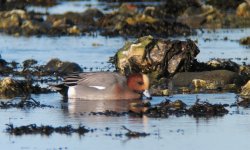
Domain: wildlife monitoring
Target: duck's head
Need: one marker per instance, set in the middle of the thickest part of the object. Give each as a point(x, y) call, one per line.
point(139, 83)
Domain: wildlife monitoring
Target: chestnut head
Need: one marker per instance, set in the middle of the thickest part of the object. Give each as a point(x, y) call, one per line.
point(139, 83)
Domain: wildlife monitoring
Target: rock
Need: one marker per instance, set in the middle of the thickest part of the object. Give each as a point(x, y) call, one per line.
point(5, 69)
point(92, 13)
point(223, 64)
point(21, 4)
point(176, 8)
point(166, 108)
point(134, 134)
point(61, 68)
point(74, 30)
point(11, 19)
point(245, 71)
point(45, 130)
point(130, 22)
point(224, 4)
point(205, 109)
point(29, 63)
point(243, 9)
point(199, 83)
point(217, 79)
point(196, 17)
point(245, 41)
point(10, 88)
point(157, 56)
point(245, 92)
point(20, 22)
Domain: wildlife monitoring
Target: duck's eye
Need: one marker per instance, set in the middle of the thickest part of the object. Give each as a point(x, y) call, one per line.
point(140, 83)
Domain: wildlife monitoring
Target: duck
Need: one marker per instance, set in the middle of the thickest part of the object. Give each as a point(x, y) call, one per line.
point(104, 86)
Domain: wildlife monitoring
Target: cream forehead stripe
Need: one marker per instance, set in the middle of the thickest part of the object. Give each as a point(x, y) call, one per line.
point(145, 80)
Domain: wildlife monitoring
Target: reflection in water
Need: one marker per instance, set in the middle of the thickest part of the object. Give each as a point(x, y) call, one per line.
point(80, 106)
point(79, 111)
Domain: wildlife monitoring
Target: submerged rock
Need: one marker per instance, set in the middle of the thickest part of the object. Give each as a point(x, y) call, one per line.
point(157, 56)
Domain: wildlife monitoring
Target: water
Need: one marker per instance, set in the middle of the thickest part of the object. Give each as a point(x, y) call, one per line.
point(173, 133)
point(81, 6)
point(82, 50)
point(228, 132)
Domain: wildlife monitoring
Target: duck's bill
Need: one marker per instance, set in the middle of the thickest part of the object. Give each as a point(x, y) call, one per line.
point(147, 94)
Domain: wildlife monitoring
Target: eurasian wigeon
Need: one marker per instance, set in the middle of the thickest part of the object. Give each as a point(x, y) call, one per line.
point(104, 86)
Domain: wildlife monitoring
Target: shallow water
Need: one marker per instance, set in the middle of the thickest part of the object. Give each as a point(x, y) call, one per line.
point(81, 6)
point(83, 49)
point(228, 132)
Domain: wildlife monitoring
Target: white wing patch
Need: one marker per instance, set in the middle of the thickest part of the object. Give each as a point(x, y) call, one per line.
point(99, 87)
point(71, 92)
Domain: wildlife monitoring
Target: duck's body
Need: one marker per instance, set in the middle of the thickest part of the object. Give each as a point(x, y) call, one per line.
point(106, 86)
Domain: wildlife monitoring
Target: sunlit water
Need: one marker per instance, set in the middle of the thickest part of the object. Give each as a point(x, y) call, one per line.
point(83, 49)
point(230, 132)
point(81, 6)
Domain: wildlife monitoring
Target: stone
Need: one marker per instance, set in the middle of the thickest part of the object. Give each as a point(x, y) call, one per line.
point(157, 56)
point(61, 67)
point(245, 91)
point(245, 41)
point(243, 10)
point(10, 88)
point(223, 64)
point(128, 21)
point(196, 17)
point(217, 79)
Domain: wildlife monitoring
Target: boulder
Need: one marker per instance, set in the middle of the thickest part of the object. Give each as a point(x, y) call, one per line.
point(210, 80)
point(158, 57)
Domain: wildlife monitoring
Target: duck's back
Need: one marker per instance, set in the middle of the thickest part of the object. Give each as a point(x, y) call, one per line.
point(99, 86)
